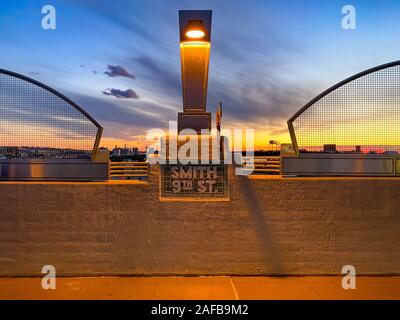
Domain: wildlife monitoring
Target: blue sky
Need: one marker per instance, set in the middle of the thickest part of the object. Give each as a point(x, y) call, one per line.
point(268, 58)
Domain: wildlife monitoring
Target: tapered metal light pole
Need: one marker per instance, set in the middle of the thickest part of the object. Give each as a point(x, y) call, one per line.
point(195, 43)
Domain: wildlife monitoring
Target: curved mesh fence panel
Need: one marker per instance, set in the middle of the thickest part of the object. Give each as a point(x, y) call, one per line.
point(37, 124)
point(361, 116)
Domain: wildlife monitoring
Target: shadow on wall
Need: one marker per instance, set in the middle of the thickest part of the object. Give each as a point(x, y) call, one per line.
point(260, 222)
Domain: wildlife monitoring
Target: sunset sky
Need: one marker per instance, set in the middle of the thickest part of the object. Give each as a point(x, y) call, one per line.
point(119, 59)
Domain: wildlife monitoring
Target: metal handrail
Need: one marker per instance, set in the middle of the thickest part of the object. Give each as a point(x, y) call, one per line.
point(262, 164)
point(126, 170)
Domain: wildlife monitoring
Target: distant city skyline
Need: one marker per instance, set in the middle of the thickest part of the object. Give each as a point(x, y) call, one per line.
point(120, 60)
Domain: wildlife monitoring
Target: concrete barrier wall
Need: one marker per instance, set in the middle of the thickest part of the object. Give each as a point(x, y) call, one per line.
point(270, 226)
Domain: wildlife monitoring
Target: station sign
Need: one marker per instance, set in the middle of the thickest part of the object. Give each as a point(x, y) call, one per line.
point(194, 182)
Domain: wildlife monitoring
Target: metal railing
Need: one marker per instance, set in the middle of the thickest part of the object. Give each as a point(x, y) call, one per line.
point(128, 170)
point(262, 165)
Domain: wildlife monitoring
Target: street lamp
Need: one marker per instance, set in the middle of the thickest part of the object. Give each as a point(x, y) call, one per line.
point(195, 43)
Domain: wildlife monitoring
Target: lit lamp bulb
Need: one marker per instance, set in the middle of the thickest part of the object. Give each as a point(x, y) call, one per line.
point(195, 34)
point(195, 29)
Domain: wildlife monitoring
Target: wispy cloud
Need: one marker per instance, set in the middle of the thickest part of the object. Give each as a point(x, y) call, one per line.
point(121, 94)
point(121, 112)
point(159, 75)
point(118, 71)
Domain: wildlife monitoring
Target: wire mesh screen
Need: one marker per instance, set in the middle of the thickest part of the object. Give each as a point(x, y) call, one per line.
point(361, 116)
point(37, 124)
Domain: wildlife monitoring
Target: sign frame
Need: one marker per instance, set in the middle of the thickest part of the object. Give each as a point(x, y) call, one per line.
point(165, 187)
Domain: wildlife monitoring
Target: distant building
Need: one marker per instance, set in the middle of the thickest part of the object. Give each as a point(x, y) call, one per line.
point(358, 149)
point(391, 152)
point(330, 148)
point(42, 153)
point(119, 151)
point(135, 151)
point(122, 152)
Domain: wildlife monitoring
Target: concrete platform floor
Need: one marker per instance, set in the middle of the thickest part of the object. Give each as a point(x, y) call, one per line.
point(176, 288)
